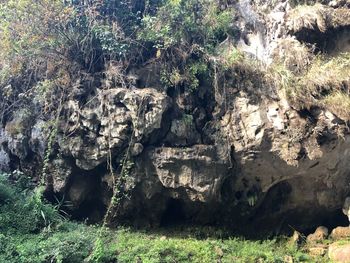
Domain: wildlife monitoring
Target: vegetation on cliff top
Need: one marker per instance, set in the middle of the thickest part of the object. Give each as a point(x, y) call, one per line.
point(46, 46)
point(105, 36)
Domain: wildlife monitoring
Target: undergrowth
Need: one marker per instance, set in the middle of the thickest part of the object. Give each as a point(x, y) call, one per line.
point(33, 231)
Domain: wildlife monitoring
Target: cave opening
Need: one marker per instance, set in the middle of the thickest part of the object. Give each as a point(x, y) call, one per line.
point(83, 197)
point(331, 42)
point(309, 221)
point(272, 217)
point(91, 211)
point(87, 191)
point(174, 213)
point(335, 219)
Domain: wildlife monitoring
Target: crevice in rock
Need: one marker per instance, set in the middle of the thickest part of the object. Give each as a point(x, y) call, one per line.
point(157, 136)
point(83, 197)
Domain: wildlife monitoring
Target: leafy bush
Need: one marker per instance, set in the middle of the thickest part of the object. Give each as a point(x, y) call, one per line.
point(72, 245)
point(179, 22)
point(33, 231)
point(23, 211)
point(185, 34)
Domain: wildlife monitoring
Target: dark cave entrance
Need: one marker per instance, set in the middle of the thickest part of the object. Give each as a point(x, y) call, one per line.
point(271, 217)
point(308, 222)
point(335, 219)
point(174, 213)
point(330, 42)
point(89, 191)
point(91, 211)
point(84, 196)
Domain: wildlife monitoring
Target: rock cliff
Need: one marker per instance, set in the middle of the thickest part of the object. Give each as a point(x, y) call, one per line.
point(237, 152)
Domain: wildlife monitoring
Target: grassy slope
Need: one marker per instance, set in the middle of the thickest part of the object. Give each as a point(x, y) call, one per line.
point(75, 242)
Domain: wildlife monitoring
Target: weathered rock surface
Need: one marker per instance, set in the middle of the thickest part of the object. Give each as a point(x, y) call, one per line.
point(340, 232)
point(320, 234)
point(318, 251)
point(198, 172)
point(107, 122)
point(339, 253)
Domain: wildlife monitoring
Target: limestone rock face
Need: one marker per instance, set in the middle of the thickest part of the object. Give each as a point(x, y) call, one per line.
point(38, 138)
point(339, 253)
point(105, 123)
point(60, 171)
point(4, 155)
point(4, 161)
point(196, 173)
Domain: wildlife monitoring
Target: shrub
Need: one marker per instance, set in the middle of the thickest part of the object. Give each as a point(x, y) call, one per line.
point(33, 231)
point(23, 211)
point(184, 34)
point(187, 22)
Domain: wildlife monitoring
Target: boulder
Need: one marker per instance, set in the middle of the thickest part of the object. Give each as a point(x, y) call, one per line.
point(320, 234)
point(338, 252)
point(195, 173)
point(317, 251)
point(340, 232)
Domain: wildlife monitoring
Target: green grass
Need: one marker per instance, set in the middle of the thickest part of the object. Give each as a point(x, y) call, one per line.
point(59, 245)
point(157, 247)
point(74, 243)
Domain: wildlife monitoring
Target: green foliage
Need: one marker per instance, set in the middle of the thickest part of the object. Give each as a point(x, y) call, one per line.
point(22, 26)
point(6, 193)
point(43, 88)
point(187, 119)
point(179, 22)
point(189, 76)
point(195, 71)
point(184, 247)
point(111, 40)
point(229, 57)
point(33, 231)
point(31, 33)
point(186, 33)
point(104, 249)
point(69, 244)
point(20, 211)
point(37, 35)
